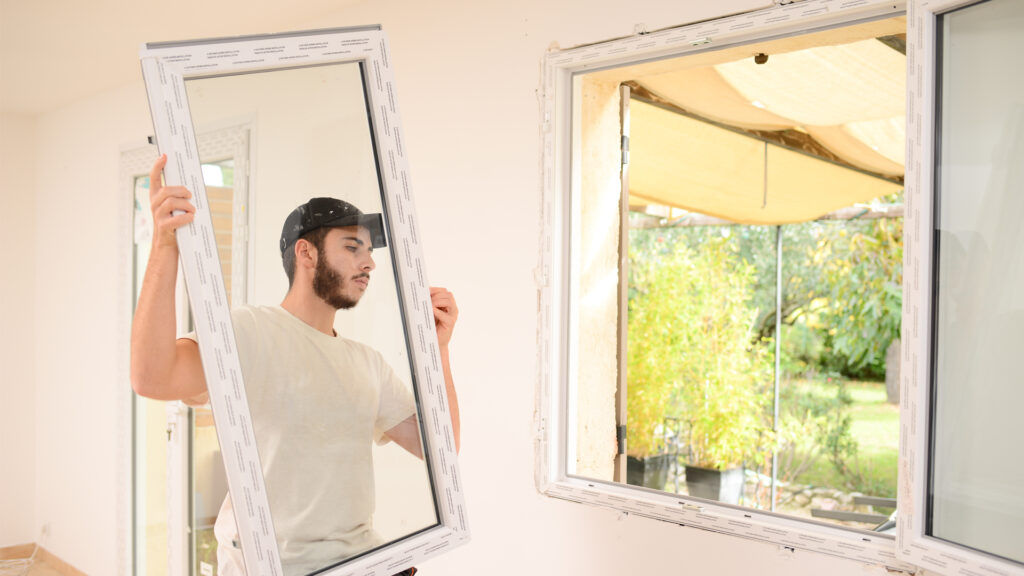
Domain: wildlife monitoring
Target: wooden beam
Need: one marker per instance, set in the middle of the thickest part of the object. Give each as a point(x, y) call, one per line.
point(693, 219)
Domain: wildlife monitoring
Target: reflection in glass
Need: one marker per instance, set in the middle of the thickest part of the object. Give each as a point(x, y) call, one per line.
point(311, 138)
point(977, 472)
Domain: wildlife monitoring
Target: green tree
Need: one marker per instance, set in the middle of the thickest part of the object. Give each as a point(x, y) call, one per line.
point(847, 275)
point(815, 421)
point(863, 270)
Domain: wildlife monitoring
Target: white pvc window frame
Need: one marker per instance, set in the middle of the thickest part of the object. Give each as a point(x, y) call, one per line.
point(914, 545)
point(556, 368)
point(228, 142)
point(166, 66)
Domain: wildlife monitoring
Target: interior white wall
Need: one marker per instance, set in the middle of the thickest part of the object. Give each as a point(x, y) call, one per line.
point(81, 280)
point(467, 76)
point(17, 379)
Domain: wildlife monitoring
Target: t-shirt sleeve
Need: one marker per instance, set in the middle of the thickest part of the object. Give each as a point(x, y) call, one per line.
point(396, 402)
point(243, 325)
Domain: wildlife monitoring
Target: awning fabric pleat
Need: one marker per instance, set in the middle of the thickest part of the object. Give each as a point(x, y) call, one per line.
point(685, 162)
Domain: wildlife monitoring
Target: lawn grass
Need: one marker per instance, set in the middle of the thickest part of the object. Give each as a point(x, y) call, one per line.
point(876, 427)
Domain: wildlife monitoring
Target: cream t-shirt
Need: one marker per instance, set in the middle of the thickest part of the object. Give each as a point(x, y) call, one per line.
point(317, 404)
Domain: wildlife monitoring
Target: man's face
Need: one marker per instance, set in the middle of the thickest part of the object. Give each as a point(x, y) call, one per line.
point(343, 266)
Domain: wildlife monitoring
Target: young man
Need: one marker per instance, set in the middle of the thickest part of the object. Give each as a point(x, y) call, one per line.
point(318, 401)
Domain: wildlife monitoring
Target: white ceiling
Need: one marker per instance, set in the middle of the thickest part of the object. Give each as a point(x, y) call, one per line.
point(53, 52)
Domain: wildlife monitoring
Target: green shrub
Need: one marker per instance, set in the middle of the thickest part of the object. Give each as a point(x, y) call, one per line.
point(814, 421)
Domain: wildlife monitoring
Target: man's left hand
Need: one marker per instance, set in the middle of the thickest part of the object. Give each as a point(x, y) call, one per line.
point(446, 312)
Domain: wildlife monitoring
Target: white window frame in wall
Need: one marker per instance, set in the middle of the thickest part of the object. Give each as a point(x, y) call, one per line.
point(914, 545)
point(166, 66)
point(556, 367)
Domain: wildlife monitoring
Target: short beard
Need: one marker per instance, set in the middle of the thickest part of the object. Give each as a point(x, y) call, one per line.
point(327, 284)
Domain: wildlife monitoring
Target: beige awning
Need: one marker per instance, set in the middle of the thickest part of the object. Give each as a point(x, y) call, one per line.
point(687, 163)
point(705, 149)
point(849, 97)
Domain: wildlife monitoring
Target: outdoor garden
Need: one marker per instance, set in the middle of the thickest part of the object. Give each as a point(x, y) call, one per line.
point(705, 320)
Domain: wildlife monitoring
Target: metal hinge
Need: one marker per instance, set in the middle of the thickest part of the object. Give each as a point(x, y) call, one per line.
point(625, 150)
point(620, 434)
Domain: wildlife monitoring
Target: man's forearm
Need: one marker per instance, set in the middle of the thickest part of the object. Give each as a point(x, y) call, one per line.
point(453, 399)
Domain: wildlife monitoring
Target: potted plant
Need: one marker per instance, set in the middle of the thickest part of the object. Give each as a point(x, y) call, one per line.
point(725, 423)
point(648, 459)
point(691, 358)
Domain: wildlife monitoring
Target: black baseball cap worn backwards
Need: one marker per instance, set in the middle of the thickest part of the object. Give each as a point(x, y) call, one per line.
point(331, 213)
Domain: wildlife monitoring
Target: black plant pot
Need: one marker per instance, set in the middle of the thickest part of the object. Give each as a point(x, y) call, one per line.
point(721, 485)
point(650, 472)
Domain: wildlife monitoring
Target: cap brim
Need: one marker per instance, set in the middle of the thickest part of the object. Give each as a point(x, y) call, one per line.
point(374, 223)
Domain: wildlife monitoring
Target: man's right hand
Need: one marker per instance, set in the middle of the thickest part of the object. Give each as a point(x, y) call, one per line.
point(164, 201)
